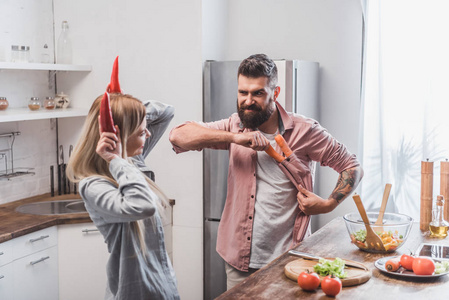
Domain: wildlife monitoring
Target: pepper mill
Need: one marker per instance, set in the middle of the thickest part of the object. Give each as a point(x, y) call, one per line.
point(426, 194)
point(444, 185)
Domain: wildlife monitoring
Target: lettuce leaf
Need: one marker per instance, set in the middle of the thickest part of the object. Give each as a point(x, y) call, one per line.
point(327, 267)
point(442, 267)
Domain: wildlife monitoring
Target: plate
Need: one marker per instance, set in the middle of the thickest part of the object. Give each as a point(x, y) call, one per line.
point(380, 264)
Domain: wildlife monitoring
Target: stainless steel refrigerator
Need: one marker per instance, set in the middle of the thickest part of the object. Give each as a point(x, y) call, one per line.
point(299, 93)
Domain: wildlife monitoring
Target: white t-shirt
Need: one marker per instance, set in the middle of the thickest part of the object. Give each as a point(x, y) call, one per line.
point(275, 210)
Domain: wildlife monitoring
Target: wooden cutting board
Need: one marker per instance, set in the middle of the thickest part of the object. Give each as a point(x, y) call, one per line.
point(355, 276)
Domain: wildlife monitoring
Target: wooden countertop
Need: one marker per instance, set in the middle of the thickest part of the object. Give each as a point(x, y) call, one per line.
point(14, 224)
point(333, 241)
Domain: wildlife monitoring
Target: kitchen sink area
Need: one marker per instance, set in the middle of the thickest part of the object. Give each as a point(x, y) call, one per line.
point(55, 207)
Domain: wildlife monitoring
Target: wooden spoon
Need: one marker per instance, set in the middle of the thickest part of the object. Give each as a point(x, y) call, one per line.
point(372, 239)
point(385, 197)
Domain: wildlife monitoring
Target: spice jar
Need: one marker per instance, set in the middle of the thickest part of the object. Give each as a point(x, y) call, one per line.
point(49, 103)
point(3, 103)
point(34, 103)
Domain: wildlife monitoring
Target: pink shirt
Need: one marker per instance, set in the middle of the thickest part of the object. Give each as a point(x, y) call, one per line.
point(307, 139)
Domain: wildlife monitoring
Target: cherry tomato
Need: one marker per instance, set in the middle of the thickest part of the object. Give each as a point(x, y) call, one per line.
point(407, 261)
point(331, 285)
point(308, 281)
point(423, 266)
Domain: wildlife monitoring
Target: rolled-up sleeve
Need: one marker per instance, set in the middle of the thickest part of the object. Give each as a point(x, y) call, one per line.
point(328, 151)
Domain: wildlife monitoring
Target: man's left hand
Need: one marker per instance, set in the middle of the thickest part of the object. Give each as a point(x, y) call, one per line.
point(312, 204)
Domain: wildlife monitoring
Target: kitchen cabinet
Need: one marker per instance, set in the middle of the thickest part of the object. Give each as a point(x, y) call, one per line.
point(6, 271)
point(83, 256)
point(34, 266)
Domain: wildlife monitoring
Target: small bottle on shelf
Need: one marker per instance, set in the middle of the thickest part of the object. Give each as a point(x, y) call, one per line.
point(34, 103)
point(49, 103)
point(3, 103)
point(438, 227)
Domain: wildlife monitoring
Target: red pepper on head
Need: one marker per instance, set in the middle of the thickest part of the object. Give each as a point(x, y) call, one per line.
point(106, 121)
point(114, 86)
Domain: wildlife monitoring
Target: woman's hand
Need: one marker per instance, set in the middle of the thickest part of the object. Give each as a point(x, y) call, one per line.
point(109, 146)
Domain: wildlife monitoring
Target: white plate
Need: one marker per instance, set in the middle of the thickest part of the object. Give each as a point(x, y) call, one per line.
point(380, 264)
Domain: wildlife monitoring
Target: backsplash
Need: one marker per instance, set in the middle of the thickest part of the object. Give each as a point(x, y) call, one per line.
point(35, 148)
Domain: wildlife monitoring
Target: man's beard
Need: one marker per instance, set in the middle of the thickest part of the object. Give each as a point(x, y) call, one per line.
point(257, 116)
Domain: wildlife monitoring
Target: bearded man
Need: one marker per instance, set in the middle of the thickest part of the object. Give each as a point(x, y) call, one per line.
point(265, 214)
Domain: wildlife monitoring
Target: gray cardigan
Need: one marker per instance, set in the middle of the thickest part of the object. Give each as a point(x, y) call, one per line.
point(113, 209)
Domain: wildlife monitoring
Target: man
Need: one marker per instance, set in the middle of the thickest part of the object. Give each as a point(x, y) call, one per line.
point(265, 213)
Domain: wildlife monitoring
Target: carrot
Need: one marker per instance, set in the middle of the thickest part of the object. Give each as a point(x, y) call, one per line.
point(393, 264)
point(271, 152)
point(283, 144)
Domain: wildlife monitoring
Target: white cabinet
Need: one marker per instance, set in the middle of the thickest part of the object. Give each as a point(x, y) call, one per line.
point(83, 256)
point(36, 275)
point(29, 266)
point(6, 271)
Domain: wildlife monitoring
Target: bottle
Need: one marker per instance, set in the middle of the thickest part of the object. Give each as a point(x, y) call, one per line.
point(49, 103)
point(3, 103)
point(438, 227)
point(45, 56)
point(64, 55)
point(34, 103)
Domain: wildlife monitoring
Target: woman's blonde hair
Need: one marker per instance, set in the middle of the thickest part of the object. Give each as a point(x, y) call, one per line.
point(128, 113)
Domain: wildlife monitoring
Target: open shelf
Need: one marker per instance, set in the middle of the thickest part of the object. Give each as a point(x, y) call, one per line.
point(24, 114)
point(43, 67)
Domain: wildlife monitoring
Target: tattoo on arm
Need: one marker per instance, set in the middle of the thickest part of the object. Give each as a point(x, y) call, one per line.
point(347, 181)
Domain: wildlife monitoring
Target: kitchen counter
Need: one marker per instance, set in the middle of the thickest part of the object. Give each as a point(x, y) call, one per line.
point(14, 224)
point(333, 240)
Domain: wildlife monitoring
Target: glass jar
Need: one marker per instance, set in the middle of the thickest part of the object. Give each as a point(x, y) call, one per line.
point(34, 103)
point(3, 103)
point(15, 54)
point(49, 103)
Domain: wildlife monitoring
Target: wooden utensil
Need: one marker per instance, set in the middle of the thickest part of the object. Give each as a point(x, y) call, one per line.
point(354, 276)
point(372, 239)
point(385, 197)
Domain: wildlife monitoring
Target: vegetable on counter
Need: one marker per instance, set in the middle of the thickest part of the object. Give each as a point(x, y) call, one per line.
point(326, 267)
point(391, 240)
point(392, 265)
point(423, 266)
point(331, 285)
point(308, 281)
point(442, 267)
point(407, 261)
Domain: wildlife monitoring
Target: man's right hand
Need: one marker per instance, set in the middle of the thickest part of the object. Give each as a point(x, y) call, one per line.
point(254, 140)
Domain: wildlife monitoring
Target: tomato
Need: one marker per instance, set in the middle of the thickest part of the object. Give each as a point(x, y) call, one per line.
point(308, 281)
point(331, 285)
point(423, 266)
point(407, 261)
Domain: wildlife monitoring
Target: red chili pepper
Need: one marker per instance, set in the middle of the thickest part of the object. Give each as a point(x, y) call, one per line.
point(114, 86)
point(106, 121)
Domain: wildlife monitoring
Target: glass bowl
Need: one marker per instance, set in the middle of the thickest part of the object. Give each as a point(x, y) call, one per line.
point(396, 228)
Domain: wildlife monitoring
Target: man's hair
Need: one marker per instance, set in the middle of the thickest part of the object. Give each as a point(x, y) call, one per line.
point(259, 65)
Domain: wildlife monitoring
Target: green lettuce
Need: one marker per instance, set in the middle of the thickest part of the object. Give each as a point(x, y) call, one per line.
point(442, 267)
point(326, 267)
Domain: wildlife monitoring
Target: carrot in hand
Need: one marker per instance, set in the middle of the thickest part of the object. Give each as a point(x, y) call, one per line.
point(271, 152)
point(283, 144)
point(393, 264)
point(107, 123)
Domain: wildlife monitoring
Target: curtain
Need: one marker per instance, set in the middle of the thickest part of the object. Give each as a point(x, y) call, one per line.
point(405, 99)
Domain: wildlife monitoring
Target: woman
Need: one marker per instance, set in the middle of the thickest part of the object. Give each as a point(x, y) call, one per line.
point(123, 203)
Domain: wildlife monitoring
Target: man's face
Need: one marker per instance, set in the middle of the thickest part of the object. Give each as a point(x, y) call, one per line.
point(255, 101)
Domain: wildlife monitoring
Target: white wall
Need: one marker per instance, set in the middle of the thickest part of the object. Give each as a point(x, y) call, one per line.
point(328, 32)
